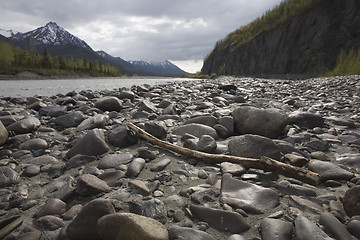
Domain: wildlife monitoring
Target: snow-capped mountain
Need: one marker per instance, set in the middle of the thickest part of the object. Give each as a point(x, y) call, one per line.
point(144, 67)
point(59, 42)
point(50, 35)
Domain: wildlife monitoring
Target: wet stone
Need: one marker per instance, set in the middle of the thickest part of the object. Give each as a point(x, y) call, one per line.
point(79, 160)
point(8, 177)
point(34, 144)
point(351, 201)
point(334, 227)
point(49, 223)
point(52, 207)
point(329, 171)
point(308, 230)
point(3, 134)
point(177, 232)
point(68, 120)
point(114, 160)
point(135, 167)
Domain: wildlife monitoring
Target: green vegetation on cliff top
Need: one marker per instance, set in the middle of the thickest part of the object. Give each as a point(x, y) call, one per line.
point(283, 12)
point(14, 59)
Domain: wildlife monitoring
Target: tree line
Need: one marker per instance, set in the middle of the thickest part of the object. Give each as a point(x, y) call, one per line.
point(348, 63)
point(14, 59)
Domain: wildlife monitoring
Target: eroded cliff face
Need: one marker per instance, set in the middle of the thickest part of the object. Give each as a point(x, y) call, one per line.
point(308, 44)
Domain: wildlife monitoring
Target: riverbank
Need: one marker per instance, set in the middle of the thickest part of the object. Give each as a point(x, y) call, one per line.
point(312, 124)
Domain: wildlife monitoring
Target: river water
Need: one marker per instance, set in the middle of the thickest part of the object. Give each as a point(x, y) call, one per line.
point(28, 88)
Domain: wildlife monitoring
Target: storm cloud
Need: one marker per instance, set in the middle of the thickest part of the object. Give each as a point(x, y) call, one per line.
point(139, 29)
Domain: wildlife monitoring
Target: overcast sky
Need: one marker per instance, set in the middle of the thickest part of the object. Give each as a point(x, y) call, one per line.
point(140, 29)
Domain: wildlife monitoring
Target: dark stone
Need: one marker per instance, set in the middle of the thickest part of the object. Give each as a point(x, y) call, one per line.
point(135, 167)
point(329, 171)
point(88, 184)
point(206, 144)
point(52, 111)
point(33, 144)
point(205, 120)
point(275, 229)
point(268, 123)
point(114, 160)
point(176, 232)
point(49, 223)
point(109, 104)
point(52, 207)
point(8, 177)
point(220, 219)
point(68, 120)
point(351, 201)
point(253, 146)
point(79, 160)
point(112, 179)
point(92, 144)
point(157, 129)
point(122, 137)
point(353, 227)
point(196, 130)
point(83, 227)
point(26, 125)
point(334, 227)
point(249, 197)
point(3, 134)
point(161, 165)
point(307, 230)
point(306, 119)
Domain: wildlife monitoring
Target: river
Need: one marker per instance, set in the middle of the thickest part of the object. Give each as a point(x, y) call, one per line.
point(28, 88)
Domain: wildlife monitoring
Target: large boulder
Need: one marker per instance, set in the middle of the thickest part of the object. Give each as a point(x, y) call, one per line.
point(92, 144)
point(109, 104)
point(264, 122)
point(306, 119)
point(253, 146)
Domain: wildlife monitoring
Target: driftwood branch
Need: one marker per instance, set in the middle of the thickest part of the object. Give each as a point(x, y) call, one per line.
point(264, 163)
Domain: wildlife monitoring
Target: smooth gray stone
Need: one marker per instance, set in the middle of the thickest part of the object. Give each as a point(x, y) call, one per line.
point(329, 171)
point(253, 146)
point(264, 122)
point(196, 130)
point(135, 167)
point(177, 232)
point(334, 227)
point(3, 134)
point(114, 160)
point(307, 230)
point(275, 229)
point(249, 197)
point(205, 120)
point(68, 120)
point(109, 103)
point(88, 184)
point(26, 125)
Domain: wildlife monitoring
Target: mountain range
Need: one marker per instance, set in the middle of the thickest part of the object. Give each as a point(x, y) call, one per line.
point(59, 42)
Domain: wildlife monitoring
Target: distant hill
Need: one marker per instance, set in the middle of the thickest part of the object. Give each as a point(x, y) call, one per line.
point(60, 43)
point(299, 37)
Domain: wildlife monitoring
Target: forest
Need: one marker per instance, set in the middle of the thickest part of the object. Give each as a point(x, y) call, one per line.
point(14, 59)
point(348, 63)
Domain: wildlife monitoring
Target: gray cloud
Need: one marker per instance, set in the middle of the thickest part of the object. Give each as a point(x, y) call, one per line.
point(139, 29)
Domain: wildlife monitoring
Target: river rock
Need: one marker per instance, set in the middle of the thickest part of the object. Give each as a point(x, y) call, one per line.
point(112, 179)
point(253, 146)
point(79, 160)
point(49, 223)
point(147, 106)
point(306, 119)
point(139, 186)
point(52, 207)
point(88, 184)
point(8, 177)
point(177, 232)
point(205, 120)
point(232, 168)
point(97, 121)
point(26, 125)
point(220, 219)
point(353, 227)
point(161, 165)
point(33, 144)
point(206, 144)
point(83, 227)
point(122, 137)
point(307, 230)
point(334, 227)
point(135, 167)
point(3, 134)
point(114, 160)
point(329, 171)
point(109, 104)
point(92, 144)
point(128, 226)
point(68, 120)
point(264, 122)
point(247, 196)
point(52, 111)
point(275, 229)
point(31, 170)
point(196, 130)
point(157, 129)
point(351, 201)
point(305, 204)
point(350, 160)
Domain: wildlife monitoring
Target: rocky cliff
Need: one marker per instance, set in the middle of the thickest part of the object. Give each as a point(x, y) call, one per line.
point(307, 44)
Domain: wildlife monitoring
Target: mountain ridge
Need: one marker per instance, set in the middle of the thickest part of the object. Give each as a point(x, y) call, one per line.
point(60, 43)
